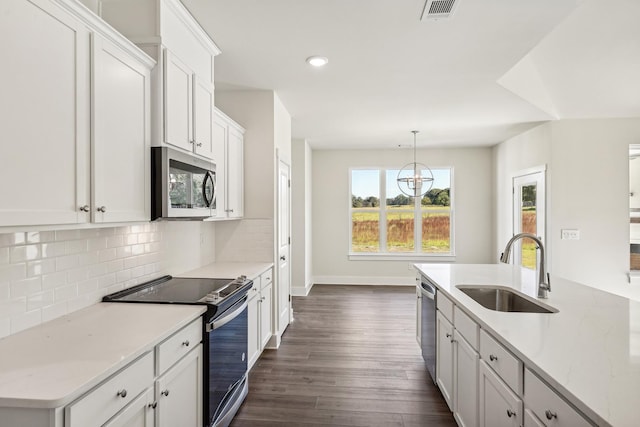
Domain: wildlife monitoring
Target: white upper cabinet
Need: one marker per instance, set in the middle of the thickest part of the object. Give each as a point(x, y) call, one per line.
point(121, 135)
point(228, 156)
point(63, 151)
point(183, 86)
point(45, 114)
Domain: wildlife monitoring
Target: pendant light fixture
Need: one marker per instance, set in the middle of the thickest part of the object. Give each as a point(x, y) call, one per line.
point(415, 179)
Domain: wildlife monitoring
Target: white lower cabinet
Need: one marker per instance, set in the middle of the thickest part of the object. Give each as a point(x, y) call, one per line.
point(499, 405)
point(465, 389)
point(179, 393)
point(139, 413)
point(259, 315)
point(547, 405)
point(444, 358)
point(162, 388)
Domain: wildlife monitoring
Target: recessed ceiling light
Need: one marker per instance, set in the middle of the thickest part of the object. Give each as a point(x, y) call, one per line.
point(317, 61)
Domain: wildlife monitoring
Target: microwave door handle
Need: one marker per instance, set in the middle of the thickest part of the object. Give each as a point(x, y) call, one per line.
point(208, 177)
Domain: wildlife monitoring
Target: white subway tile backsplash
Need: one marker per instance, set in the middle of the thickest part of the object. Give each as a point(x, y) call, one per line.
point(67, 292)
point(54, 280)
point(39, 300)
point(41, 267)
point(25, 287)
point(4, 256)
point(47, 274)
point(24, 253)
point(67, 262)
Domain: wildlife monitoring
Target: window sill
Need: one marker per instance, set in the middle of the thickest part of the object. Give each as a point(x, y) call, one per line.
point(401, 257)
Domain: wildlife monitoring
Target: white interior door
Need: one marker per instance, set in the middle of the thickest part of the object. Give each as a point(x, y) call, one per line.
point(529, 214)
point(284, 245)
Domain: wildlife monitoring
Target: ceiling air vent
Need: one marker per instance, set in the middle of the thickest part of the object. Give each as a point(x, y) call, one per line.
point(438, 9)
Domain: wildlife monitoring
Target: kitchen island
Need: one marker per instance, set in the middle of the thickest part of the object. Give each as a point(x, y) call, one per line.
point(589, 351)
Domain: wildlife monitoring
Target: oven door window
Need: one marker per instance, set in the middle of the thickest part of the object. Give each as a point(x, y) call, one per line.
point(187, 186)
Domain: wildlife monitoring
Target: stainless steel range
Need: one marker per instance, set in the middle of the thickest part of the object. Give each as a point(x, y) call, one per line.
point(224, 334)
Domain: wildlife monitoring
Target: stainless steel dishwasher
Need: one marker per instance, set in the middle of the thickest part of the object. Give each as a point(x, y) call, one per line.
point(428, 325)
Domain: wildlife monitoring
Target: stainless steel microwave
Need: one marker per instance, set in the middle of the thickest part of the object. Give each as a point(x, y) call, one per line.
point(182, 186)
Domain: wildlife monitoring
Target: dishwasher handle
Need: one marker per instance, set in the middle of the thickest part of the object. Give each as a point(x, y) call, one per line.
point(427, 290)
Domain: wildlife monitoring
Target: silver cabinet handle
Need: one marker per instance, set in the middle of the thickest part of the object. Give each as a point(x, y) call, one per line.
point(493, 358)
point(85, 208)
point(192, 142)
point(102, 209)
point(228, 210)
point(448, 335)
point(283, 258)
point(263, 298)
point(510, 413)
point(199, 144)
point(165, 392)
point(185, 343)
point(122, 393)
point(153, 405)
point(550, 415)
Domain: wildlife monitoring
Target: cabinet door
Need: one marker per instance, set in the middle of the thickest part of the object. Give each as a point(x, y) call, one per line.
point(120, 135)
point(203, 118)
point(139, 413)
point(253, 332)
point(466, 382)
point(179, 393)
point(220, 130)
point(499, 406)
point(178, 102)
point(44, 105)
point(418, 314)
point(266, 315)
point(444, 358)
point(235, 174)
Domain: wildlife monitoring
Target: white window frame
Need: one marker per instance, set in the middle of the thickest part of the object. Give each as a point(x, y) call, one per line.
point(416, 255)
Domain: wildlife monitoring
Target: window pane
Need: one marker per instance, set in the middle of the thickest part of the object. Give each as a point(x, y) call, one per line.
point(365, 211)
point(436, 229)
point(400, 216)
point(529, 225)
point(436, 214)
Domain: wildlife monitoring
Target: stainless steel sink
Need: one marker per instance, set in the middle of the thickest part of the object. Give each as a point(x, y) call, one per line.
point(504, 299)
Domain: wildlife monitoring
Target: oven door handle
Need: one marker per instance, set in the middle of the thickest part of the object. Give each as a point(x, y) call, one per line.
point(233, 313)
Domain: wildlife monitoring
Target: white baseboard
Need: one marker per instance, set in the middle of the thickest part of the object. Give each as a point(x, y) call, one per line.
point(360, 280)
point(298, 291)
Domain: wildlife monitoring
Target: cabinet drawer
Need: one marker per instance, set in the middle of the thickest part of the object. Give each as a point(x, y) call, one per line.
point(547, 405)
point(506, 365)
point(266, 278)
point(531, 420)
point(466, 327)
point(100, 404)
point(445, 306)
point(178, 345)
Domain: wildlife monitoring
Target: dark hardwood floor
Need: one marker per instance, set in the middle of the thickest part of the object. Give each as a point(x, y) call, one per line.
point(349, 358)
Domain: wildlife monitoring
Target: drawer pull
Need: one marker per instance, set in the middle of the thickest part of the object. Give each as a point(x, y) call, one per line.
point(493, 358)
point(550, 415)
point(185, 343)
point(165, 392)
point(153, 405)
point(122, 393)
point(510, 413)
point(448, 335)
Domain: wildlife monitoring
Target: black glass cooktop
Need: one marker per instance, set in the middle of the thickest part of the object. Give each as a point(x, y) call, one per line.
point(181, 290)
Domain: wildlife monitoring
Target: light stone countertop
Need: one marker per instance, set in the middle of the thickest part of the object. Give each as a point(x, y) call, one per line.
point(589, 351)
point(229, 270)
point(50, 365)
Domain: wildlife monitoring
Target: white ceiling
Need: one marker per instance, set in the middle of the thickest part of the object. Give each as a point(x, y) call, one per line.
point(389, 72)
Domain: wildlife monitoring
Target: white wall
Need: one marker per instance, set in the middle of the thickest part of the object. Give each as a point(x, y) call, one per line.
point(587, 189)
point(301, 233)
point(46, 274)
point(473, 193)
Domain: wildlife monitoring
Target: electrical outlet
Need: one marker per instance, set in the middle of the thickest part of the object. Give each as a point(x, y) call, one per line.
point(570, 234)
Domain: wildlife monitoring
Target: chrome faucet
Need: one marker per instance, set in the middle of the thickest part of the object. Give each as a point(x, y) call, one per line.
point(544, 282)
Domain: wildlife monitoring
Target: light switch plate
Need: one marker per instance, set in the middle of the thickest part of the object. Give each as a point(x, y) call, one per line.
point(570, 234)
